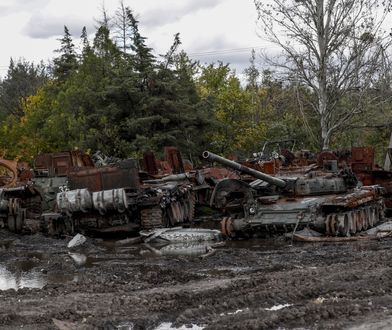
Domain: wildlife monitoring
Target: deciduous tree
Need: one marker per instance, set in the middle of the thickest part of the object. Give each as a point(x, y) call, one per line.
point(334, 47)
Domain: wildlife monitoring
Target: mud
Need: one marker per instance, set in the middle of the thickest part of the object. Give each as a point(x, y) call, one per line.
point(255, 284)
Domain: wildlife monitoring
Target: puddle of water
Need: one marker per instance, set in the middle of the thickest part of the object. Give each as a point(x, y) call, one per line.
point(192, 249)
point(119, 254)
point(145, 251)
point(16, 281)
point(26, 274)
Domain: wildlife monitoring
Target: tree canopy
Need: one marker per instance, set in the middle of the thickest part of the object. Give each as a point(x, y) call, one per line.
point(110, 91)
point(334, 47)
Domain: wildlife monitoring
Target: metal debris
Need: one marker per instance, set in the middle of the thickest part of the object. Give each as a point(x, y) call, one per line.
point(179, 234)
point(76, 241)
point(79, 258)
point(129, 241)
point(188, 249)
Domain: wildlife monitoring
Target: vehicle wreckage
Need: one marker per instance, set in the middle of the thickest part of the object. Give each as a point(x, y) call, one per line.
point(68, 192)
point(328, 200)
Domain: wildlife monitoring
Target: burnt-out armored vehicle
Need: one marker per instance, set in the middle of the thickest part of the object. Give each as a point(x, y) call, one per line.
point(66, 192)
point(26, 192)
point(117, 198)
point(20, 199)
point(328, 200)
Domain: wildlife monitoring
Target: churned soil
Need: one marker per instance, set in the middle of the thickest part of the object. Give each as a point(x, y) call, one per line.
point(254, 284)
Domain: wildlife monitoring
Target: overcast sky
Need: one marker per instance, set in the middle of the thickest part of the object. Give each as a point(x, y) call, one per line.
point(210, 30)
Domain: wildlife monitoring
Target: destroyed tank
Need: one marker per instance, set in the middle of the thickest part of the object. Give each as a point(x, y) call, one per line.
point(115, 198)
point(67, 192)
point(329, 200)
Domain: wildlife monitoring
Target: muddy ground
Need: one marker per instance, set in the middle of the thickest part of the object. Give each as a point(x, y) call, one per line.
point(255, 284)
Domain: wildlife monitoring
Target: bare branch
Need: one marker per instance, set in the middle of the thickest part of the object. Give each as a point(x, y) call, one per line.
point(335, 47)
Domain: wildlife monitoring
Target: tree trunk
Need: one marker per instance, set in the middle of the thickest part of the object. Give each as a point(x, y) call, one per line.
point(325, 136)
point(325, 133)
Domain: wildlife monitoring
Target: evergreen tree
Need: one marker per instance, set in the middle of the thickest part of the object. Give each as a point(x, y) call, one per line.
point(142, 57)
point(86, 48)
point(170, 112)
point(22, 80)
point(67, 62)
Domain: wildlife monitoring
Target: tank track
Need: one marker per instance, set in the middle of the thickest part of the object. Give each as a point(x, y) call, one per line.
point(175, 213)
point(354, 221)
point(33, 206)
point(345, 223)
point(191, 206)
point(151, 217)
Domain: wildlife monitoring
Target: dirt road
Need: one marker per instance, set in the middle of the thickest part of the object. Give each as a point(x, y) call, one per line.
point(256, 284)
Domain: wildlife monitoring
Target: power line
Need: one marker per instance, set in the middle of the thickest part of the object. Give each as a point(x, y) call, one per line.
point(224, 51)
point(203, 53)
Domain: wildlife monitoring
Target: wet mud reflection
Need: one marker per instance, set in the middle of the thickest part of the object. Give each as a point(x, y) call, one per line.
point(21, 279)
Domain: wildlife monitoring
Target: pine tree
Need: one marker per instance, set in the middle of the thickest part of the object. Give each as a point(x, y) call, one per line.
point(86, 48)
point(22, 80)
point(67, 62)
point(142, 57)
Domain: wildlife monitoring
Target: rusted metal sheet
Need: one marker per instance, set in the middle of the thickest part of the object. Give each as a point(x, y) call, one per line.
point(24, 173)
point(164, 168)
point(377, 177)
point(174, 159)
point(268, 166)
point(353, 199)
point(325, 157)
point(61, 163)
point(149, 163)
point(171, 164)
point(104, 178)
point(362, 159)
point(188, 166)
point(217, 173)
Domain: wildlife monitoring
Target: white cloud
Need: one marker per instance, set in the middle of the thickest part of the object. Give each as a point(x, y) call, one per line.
point(41, 27)
point(169, 14)
point(33, 26)
point(10, 7)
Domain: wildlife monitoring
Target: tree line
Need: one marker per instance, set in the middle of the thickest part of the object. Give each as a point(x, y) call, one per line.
point(113, 94)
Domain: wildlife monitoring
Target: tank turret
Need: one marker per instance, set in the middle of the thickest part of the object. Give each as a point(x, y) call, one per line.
point(307, 184)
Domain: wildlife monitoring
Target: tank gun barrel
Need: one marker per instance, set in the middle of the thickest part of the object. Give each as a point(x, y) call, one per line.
point(171, 177)
point(244, 169)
